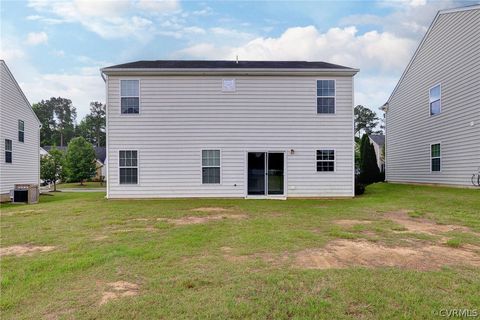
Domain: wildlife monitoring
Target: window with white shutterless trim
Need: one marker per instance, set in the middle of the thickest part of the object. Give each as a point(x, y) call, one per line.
point(128, 167)
point(130, 96)
point(8, 151)
point(326, 160)
point(435, 99)
point(21, 131)
point(436, 157)
point(210, 166)
point(326, 96)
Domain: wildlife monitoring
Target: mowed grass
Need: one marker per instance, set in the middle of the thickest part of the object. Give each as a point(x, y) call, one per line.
point(77, 185)
point(183, 273)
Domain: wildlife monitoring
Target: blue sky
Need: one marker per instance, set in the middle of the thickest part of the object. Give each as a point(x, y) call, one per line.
point(55, 48)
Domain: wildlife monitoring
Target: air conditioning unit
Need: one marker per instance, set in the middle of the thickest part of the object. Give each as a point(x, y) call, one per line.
point(25, 193)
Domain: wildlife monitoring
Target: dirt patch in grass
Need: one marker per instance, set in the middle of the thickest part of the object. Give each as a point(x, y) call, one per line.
point(351, 223)
point(198, 220)
point(210, 209)
point(24, 212)
point(422, 225)
point(119, 289)
point(344, 253)
point(25, 249)
point(100, 238)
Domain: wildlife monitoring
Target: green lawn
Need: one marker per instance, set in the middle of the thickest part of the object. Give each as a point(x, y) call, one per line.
point(76, 185)
point(242, 267)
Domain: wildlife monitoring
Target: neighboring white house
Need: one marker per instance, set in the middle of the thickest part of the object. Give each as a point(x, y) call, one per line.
point(19, 136)
point(378, 141)
point(433, 115)
point(229, 129)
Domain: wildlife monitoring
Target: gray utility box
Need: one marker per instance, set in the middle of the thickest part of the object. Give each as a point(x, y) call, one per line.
point(25, 193)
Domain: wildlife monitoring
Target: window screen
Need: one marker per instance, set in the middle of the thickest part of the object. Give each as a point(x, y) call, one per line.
point(210, 166)
point(130, 97)
point(325, 96)
point(128, 167)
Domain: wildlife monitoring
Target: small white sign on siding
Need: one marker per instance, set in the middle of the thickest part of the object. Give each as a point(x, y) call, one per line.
point(228, 85)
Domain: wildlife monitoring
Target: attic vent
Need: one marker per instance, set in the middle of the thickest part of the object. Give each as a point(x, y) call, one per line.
point(228, 85)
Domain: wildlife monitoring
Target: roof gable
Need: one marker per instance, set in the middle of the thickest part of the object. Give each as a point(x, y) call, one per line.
point(422, 42)
point(2, 62)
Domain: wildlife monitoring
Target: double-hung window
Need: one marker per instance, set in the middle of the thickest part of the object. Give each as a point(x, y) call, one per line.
point(435, 156)
point(21, 131)
point(325, 96)
point(128, 167)
point(130, 96)
point(210, 166)
point(8, 151)
point(325, 160)
point(435, 98)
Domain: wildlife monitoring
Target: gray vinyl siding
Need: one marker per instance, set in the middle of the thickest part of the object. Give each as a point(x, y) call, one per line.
point(181, 115)
point(450, 56)
point(25, 167)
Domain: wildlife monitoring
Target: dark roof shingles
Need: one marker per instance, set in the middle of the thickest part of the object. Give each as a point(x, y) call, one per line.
point(225, 64)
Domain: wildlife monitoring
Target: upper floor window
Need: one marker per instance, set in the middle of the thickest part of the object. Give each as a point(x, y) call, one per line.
point(128, 167)
point(8, 151)
point(435, 100)
point(130, 96)
point(325, 160)
point(435, 156)
point(325, 96)
point(210, 166)
point(21, 131)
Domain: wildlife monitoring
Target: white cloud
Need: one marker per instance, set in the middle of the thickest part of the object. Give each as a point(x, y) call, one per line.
point(9, 54)
point(373, 49)
point(159, 6)
point(36, 38)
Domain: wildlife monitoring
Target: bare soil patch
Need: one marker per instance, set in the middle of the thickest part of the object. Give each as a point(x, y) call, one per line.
point(347, 253)
point(100, 238)
point(119, 289)
point(198, 220)
point(210, 209)
point(25, 249)
point(422, 225)
point(351, 223)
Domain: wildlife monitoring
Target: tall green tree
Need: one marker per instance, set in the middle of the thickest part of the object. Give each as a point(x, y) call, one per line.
point(80, 160)
point(52, 167)
point(65, 114)
point(44, 112)
point(366, 121)
point(57, 116)
point(369, 171)
point(92, 127)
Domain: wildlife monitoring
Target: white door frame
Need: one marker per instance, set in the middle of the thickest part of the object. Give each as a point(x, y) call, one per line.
point(285, 166)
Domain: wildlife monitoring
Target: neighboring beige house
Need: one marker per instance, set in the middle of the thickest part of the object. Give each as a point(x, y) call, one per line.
point(378, 141)
point(433, 114)
point(19, 136)
point(247, 129)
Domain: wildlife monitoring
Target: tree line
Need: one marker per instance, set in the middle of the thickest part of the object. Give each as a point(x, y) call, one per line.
point(58, 118)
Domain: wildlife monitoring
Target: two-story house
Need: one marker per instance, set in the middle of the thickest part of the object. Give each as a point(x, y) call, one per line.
point(19, 136)
point(253, 129)
point(433, 114)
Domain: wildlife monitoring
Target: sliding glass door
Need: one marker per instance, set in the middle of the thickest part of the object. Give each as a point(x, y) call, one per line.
point(265, 173)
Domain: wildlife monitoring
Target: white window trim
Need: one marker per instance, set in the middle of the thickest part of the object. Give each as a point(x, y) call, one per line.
point(430, 103)
point(139, 96)
point(5, 150)
point(138, 168)
point(334, 98)
point(18, 124)
point(202, 166)
point(439, 157)
point(334, 160)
